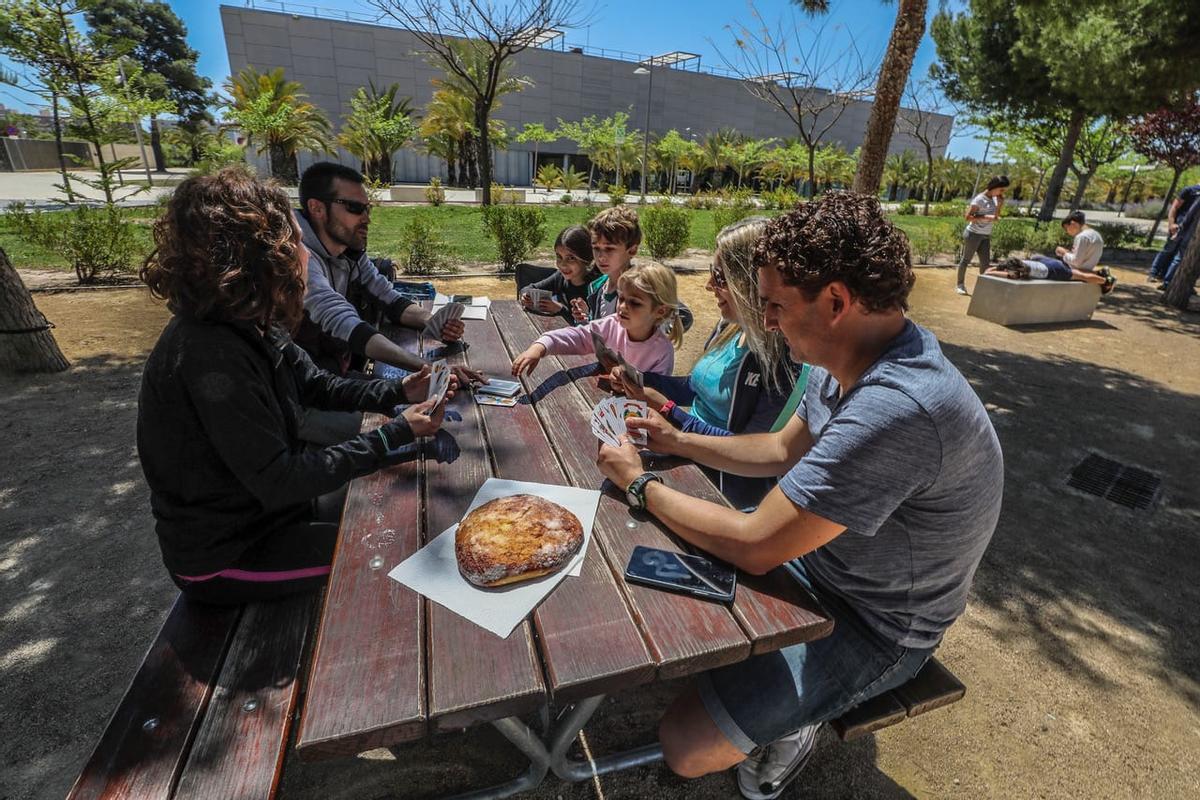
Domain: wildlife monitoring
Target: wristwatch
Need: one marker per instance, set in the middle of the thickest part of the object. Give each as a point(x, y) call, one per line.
point(636, 493)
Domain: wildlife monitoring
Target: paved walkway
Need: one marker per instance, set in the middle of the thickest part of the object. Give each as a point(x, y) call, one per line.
point(38, 188)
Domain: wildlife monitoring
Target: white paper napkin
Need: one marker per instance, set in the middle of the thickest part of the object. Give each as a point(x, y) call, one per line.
point(433, 570)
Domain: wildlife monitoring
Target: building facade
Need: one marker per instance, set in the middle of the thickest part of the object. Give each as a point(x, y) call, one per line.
point(332, 58)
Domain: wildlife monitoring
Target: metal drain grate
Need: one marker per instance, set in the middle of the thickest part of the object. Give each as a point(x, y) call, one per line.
point(1127, 486)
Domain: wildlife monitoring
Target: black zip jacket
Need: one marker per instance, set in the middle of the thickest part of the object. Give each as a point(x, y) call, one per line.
point(218, 412)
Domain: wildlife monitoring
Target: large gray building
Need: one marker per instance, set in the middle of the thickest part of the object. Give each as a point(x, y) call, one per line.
point(333, 57)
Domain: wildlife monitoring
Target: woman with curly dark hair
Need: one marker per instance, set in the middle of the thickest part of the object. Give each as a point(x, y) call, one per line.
point(232, 488)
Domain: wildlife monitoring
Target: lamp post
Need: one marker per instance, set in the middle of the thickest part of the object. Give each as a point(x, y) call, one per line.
point(646, 132)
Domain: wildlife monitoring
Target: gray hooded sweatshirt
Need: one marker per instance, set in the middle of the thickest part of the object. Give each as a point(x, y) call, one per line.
point(329, 281)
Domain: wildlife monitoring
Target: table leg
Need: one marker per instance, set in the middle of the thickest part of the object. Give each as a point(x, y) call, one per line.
point(528, 743)
point(569, 769)
point(550, 754)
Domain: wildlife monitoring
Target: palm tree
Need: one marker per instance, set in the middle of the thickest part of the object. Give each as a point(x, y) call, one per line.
point(746, 155)
point(379, 124)
point(193, 136)
point(715, 152)
point(277, 118)
point(898, 170)
point(834, 166)
point(447, 131)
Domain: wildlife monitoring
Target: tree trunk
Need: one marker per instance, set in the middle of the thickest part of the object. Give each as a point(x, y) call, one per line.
point(283, 165)
point(928, 177)
point(62, 159)
point(812, 172)
point(1059, 176)
point(1180, 290)
point(484, 149)
point(26, 343)
point(1162, 211)
point(160, 158)
point(893, 75)
point(1084, 180)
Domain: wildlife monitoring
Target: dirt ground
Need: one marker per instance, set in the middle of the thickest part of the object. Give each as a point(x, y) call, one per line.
point(1079, 646)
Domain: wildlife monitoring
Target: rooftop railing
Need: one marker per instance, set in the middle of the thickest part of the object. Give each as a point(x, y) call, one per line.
point(559, 44)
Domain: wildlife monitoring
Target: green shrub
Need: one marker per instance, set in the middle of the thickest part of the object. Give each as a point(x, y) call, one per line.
point(665, 229)
point(907, 208)
point(1118, 234)
point(96, 242)
point(434, 192)
point(616, 194)
point(734, 206)
point(565, 199)
point(219, 154)
point(947, 209)
point(1044, 239)
point(421, 246)
point(928, 242)
point(1010, 236)
point(784, 198)
point(517, 231)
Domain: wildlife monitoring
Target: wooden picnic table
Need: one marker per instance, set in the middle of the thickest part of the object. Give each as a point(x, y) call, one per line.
point(390, 666)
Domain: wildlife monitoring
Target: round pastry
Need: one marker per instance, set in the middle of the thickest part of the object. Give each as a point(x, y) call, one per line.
point(515, 538)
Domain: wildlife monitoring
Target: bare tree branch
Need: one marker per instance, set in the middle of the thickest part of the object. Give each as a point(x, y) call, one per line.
point(791, 66)
point(925, 119)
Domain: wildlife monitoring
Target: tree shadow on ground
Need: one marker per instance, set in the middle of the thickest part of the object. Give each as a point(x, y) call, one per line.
point(82, 587)
point(1064, 564)
point(1143, 302)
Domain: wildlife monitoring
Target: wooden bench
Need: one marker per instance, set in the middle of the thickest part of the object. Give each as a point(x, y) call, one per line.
point(209, 711)
point(933, 687)
point(1008, 302)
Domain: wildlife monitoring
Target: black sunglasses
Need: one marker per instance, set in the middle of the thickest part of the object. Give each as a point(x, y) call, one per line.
point(353, 206)
point(718, 276)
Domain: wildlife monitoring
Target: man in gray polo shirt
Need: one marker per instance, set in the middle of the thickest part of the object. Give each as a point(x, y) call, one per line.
point(891, 484)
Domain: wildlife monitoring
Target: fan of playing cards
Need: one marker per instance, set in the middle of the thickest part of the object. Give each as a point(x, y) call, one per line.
point(439, 382)
point(438, 320)
point(608, 420)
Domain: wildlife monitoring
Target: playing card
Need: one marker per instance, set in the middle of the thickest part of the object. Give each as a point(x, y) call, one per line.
point(604, 353)
point(499, 388)
point(630, 372)
point(536, 295)
point(610, 416)
point(634, 408)
point(439, 382)
point(602, 418)
point(492, 400)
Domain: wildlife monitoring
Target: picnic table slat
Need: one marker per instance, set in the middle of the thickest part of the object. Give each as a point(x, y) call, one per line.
point(366, 685)
point(240, 748)
point(145, 743)
point(685, 634)
point(584, 653)
point(474, 676)
point(773, 609)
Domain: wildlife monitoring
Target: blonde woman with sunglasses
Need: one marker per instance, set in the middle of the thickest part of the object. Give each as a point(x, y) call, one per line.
point(744, 380)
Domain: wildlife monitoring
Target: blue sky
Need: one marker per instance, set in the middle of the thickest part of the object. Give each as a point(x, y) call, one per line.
point(639, 26)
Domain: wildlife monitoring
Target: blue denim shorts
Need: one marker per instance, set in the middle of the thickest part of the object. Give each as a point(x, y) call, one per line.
point(755, 702)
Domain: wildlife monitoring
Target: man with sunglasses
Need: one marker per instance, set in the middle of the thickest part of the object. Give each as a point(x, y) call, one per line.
point(334, 216)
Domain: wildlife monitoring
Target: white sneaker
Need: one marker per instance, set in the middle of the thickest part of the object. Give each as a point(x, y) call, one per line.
point(960, 289)
point(768, 770)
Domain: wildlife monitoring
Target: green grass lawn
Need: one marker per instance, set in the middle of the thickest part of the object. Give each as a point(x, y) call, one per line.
point(459, 227)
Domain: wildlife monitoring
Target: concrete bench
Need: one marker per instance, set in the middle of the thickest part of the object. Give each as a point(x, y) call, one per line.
point(408, 194)
point(1009, 302)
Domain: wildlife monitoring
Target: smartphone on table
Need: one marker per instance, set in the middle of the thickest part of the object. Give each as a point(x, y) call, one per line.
point(679, 572)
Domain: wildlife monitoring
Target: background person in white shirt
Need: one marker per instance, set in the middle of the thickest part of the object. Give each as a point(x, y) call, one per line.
point(977, 238)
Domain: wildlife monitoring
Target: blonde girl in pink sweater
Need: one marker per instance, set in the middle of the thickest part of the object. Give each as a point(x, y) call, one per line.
point(647, 304)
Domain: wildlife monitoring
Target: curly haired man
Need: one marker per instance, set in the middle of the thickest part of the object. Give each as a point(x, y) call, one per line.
point(890, 489)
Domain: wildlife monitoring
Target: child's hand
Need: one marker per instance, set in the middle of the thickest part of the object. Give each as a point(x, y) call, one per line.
point(527, 362)
point(616, 377)
point(525, 301)
point(579, 310)
point(549, 307)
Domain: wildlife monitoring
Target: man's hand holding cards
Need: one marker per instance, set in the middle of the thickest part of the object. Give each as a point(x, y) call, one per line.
point(608, 420)
point(435, 327)
point(439, 382)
